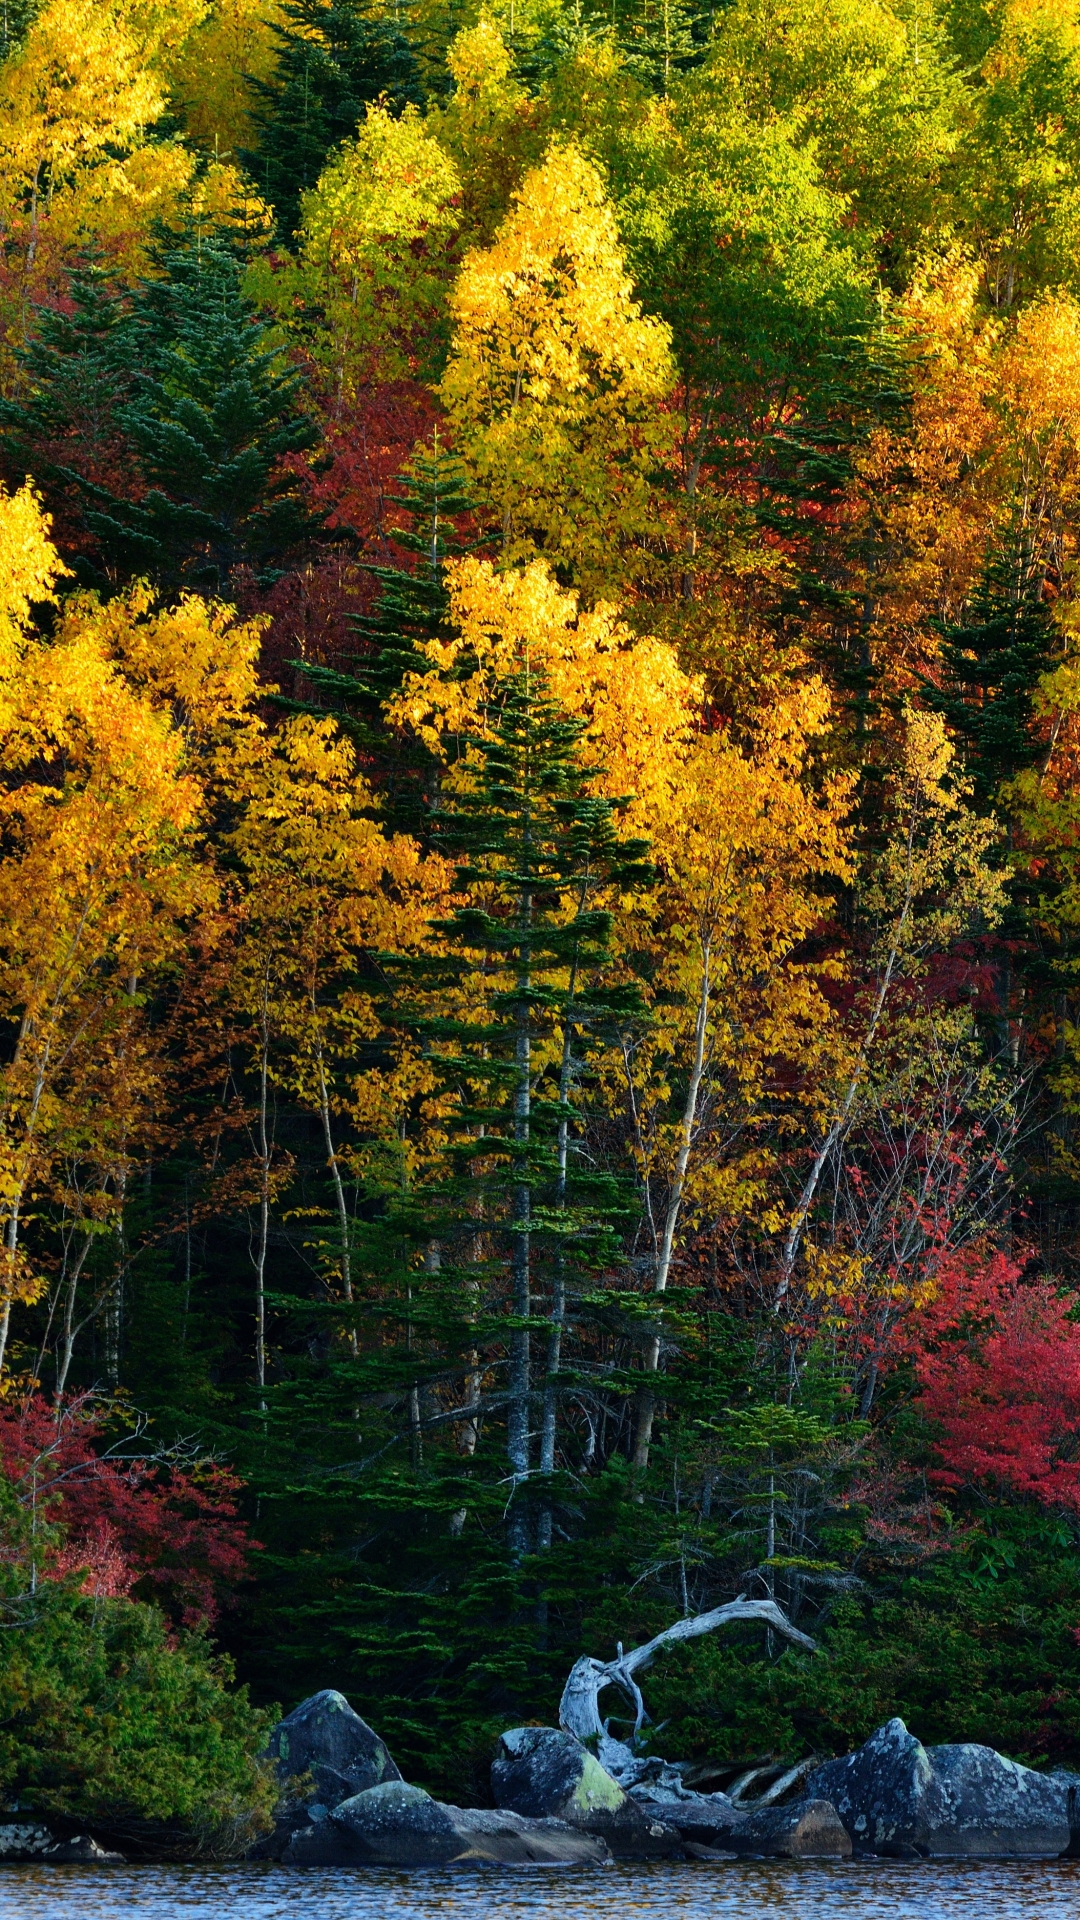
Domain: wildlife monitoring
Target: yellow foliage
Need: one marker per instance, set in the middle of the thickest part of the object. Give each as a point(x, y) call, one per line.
point(375, 257)
point(556, 380)
point(29, 569)
point(211, 74)
point(638, 706)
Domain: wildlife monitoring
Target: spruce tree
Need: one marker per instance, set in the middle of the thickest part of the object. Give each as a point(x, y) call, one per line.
point(993, 659)
point(62, 424)
point(335, 58)
point(413, 607)
point(507, 1012)
point(213, 413)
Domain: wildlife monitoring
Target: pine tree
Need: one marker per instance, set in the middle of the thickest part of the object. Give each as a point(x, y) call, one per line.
point(336, 57)
point(413, 607)
point(508, 1013)
point(213, 414)
point(62, 425)
point(993, 660)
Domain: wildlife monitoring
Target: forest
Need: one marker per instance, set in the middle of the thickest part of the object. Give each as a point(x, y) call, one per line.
point(540, 858)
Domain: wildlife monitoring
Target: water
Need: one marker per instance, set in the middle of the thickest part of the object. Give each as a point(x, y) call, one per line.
point(797, 1890)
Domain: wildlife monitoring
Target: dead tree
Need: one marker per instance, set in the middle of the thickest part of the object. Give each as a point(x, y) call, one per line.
point(579, 1708)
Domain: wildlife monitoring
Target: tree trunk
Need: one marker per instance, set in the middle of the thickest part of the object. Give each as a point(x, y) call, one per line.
point(646, 1412)
point(579, 1711)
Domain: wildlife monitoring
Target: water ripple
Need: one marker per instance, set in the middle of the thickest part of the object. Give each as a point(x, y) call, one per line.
point(749, 1890)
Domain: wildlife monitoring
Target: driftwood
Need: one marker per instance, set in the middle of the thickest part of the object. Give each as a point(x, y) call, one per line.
point(579, 1708)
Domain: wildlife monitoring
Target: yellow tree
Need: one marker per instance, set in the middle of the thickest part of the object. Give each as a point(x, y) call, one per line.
point(742, 855)
point(101, 873)
point(638, 706)
point(322, 885)
point(376, 254)
point(556, 379)
point(78, 98)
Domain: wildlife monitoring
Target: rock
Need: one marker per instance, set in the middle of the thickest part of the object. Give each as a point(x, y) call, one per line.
point(83, 1851)
point(885, 1793)
point(993, 1807)
point(324, 1737)
point(707, 1819)
point(395, 1825)
point(804, 1830)
point(25, 1840)
point(544, 1773)
point(897, 1797)
point(336, 1754)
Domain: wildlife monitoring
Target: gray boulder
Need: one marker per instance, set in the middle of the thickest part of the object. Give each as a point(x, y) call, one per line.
point(707, 1819)
point(885, 1793)
point(897, 1797)
point(395, 1825)
point(544, 1773)
point(994, 1807)
point(806, 1829)
point(710, 1825)
point(325, 1738)
point(325, 1754)
point(24, 1840)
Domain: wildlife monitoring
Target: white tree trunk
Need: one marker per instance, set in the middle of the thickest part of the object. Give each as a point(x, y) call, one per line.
point(579, 1709)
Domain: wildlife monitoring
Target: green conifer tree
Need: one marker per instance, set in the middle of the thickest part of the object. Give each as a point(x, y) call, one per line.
point(413, 607)
point(335, 58)
point(214, 412)
point(61, 424)
point(993, 660)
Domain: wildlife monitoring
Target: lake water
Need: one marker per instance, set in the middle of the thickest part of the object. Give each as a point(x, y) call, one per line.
point(798, 1890)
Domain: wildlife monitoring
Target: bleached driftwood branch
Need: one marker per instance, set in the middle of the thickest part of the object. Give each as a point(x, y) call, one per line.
point(579, 1708)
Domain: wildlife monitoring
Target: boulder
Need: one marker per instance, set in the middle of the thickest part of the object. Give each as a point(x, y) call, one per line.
point(325, 1738)
point(544, 1773)
point(24, 1840)
point(804, 1830)
point(885, 1793)
point(395, 1825)
point(994, 1807)
point(325, 1754)
point(707, 1819)
point(898, 1797)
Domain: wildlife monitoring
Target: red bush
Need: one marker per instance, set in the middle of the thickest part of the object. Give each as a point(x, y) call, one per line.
point(159, 1525)
point(999, 1374)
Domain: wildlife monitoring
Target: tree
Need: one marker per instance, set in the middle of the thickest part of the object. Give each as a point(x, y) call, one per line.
point(992, 662)
point(412, 611)
point(516, 991)
point(998, 1367)
point(76, 375)
point(556, 379)
point(213, 420)
point(377, 256)
point(333, 61)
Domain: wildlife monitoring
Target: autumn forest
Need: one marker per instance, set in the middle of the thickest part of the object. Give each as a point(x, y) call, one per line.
point(539, 833)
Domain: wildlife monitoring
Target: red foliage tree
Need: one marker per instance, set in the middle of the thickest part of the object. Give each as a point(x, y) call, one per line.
point(999, 1373)
point(160, 1526)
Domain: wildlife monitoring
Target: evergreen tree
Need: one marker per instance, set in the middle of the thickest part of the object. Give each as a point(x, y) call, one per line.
point(335, 58)
point(412, 608)
point(514, 1005)
point(993, 660)
point(62, 423)
point(213, 413)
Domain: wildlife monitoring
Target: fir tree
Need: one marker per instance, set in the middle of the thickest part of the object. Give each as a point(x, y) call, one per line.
point(993, 660)
point(523, 958)
point(62, 425)
point(412, 608)
point(335, 58)
point(213, 413)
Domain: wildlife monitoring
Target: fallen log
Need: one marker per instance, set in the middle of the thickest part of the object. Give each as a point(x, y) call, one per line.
point(579, 1708)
